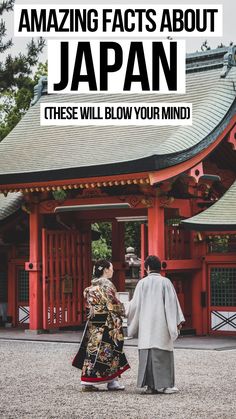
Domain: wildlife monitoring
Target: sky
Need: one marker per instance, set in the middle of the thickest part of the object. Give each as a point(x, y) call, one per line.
point(192, 44)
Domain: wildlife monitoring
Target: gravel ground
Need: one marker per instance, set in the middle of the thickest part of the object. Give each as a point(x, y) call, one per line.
point(37, 381)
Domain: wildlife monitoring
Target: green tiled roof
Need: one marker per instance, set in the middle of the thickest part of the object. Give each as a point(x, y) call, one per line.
point(32, 152)
point(220, 216)
point(10, 204)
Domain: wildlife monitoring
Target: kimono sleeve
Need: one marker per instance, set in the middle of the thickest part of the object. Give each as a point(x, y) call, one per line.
point(133, 311)
point(86, 295)
point(174, 315)
point(113, 304)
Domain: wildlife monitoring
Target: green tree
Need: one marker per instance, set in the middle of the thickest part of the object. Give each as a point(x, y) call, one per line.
point(102, 248)
point(42, 70)
point(16, 76)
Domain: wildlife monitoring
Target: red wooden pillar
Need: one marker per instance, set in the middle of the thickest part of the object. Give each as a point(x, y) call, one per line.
point(199, 288)
point(144, 246)
point(196, 302)
point(35, 271)
point(205, 319)
point(87, 250)
point(156, 230)
point(118, 254)
point(181, 295)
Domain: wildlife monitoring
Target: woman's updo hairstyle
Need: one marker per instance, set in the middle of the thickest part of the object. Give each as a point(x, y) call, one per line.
point(99, 267)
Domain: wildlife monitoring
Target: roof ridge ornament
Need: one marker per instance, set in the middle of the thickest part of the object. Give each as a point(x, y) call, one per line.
point(40, 89)
point(228, 61)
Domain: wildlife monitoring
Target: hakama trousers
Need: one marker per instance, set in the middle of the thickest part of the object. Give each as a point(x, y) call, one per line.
point(156, 368)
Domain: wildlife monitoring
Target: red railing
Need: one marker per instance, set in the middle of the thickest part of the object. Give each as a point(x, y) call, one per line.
point(177, 243)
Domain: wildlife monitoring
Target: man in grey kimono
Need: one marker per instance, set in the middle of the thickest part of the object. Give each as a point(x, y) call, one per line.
point(155, 315)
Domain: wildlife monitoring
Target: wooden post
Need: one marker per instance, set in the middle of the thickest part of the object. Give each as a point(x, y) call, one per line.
point(156, 230)
point(144, 246)
point(199, 290)
point(202, 249)
point(205, 319)
point(118, 254)
point(197, 310)
point(35, 274)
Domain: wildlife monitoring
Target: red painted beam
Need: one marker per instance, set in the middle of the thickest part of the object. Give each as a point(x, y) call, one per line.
point(232, 138)
point(84, 180)
point(136, 202)
point(182, 264)
point(221, 258)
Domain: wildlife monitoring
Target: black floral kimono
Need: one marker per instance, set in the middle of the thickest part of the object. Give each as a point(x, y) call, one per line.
point(100, 356)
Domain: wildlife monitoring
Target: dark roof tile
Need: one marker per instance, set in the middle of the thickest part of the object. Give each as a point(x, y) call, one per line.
point(220, 216)
point(38, 152)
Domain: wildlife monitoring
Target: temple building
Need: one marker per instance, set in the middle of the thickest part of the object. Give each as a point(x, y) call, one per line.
point(179, 181)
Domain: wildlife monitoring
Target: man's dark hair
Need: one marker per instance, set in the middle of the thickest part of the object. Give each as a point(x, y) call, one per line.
point(153, 262)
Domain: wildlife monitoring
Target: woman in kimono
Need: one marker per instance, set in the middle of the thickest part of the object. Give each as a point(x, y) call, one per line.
point(100, 356)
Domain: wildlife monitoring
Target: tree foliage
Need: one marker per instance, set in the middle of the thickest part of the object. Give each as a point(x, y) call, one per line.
point(102, 248)
point(16, 76)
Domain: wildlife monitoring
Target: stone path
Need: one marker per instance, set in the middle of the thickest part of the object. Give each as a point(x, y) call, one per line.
point(37, 381)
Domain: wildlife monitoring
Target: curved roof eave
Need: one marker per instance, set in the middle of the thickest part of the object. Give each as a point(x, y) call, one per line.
point(10, 204)
point(32, 153)
point(221, 216)
point(209, 227)
point(147, 164)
